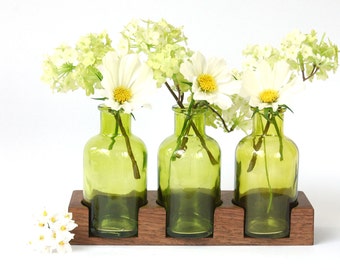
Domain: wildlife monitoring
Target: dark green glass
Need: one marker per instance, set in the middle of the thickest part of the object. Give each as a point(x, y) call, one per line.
point(266, 178)
point(189, 176)
point(115, 177)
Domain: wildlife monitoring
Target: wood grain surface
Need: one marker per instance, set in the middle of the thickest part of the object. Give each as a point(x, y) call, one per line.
point(228, 225)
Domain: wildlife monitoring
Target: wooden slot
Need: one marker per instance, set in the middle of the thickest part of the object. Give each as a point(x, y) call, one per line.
point(228, 225)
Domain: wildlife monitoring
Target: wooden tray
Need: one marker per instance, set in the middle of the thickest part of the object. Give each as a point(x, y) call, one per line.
point(228, 225)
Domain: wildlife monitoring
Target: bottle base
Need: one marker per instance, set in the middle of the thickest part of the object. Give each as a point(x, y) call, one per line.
point(114, 216)
point(267, 228)
point(115, 228)
point(190, 228)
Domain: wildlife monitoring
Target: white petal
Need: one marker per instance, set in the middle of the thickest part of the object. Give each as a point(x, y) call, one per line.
point(190, 69)
point(128, 67)
point(223, 101)
point(265, 76)
point(127, 71)
point(109, 70)
point(230, 87)
point(281, 74)
point(250, 84)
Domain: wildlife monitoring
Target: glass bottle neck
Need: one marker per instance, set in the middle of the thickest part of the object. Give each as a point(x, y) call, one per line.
point(273, 126)
point(185, 118)
point(110, 122)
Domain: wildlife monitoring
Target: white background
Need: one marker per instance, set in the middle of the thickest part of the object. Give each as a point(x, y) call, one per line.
point(42, 134)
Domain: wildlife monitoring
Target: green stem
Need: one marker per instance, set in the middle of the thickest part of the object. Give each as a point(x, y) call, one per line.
point(128, 145)
point(280, 137)
point(312, 73)
point(271, 119)
point(222, 120)
point(113, 138)
point(182, 140)
point(204, 145)
point(257, 146)
point(267, 177)
point(183, 137)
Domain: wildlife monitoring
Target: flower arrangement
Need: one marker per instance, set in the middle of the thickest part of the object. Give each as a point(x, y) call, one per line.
point(97, 67)
point(193, 80)
point(121, 80)
point(52, 232)
point(272, 76)
point(150, 55)
point(153, 54)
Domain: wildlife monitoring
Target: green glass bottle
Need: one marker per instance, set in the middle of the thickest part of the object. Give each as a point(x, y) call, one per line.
point(266, 177)
point(189, 176)
point(115, 177)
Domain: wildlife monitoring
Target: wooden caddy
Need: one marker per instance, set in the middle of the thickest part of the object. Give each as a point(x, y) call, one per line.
point(228, 225)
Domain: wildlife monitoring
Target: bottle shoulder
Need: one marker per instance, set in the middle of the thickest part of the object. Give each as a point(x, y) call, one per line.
point(104, 141)
point(270, 141)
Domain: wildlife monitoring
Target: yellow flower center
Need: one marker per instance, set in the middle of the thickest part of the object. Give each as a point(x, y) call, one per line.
point(269, 96)
point(207, 83)
point(122, 94)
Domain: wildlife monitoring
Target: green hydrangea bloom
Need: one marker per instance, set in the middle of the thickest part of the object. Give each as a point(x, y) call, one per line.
point(311, 57)
point(71, 68)
point(165, 48)
point(164, 45)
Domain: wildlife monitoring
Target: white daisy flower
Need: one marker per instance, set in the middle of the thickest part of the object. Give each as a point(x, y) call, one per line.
point(61, 241)
point(270, 86)
point(51, 232)
point(211, 80)
point(127, 81)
